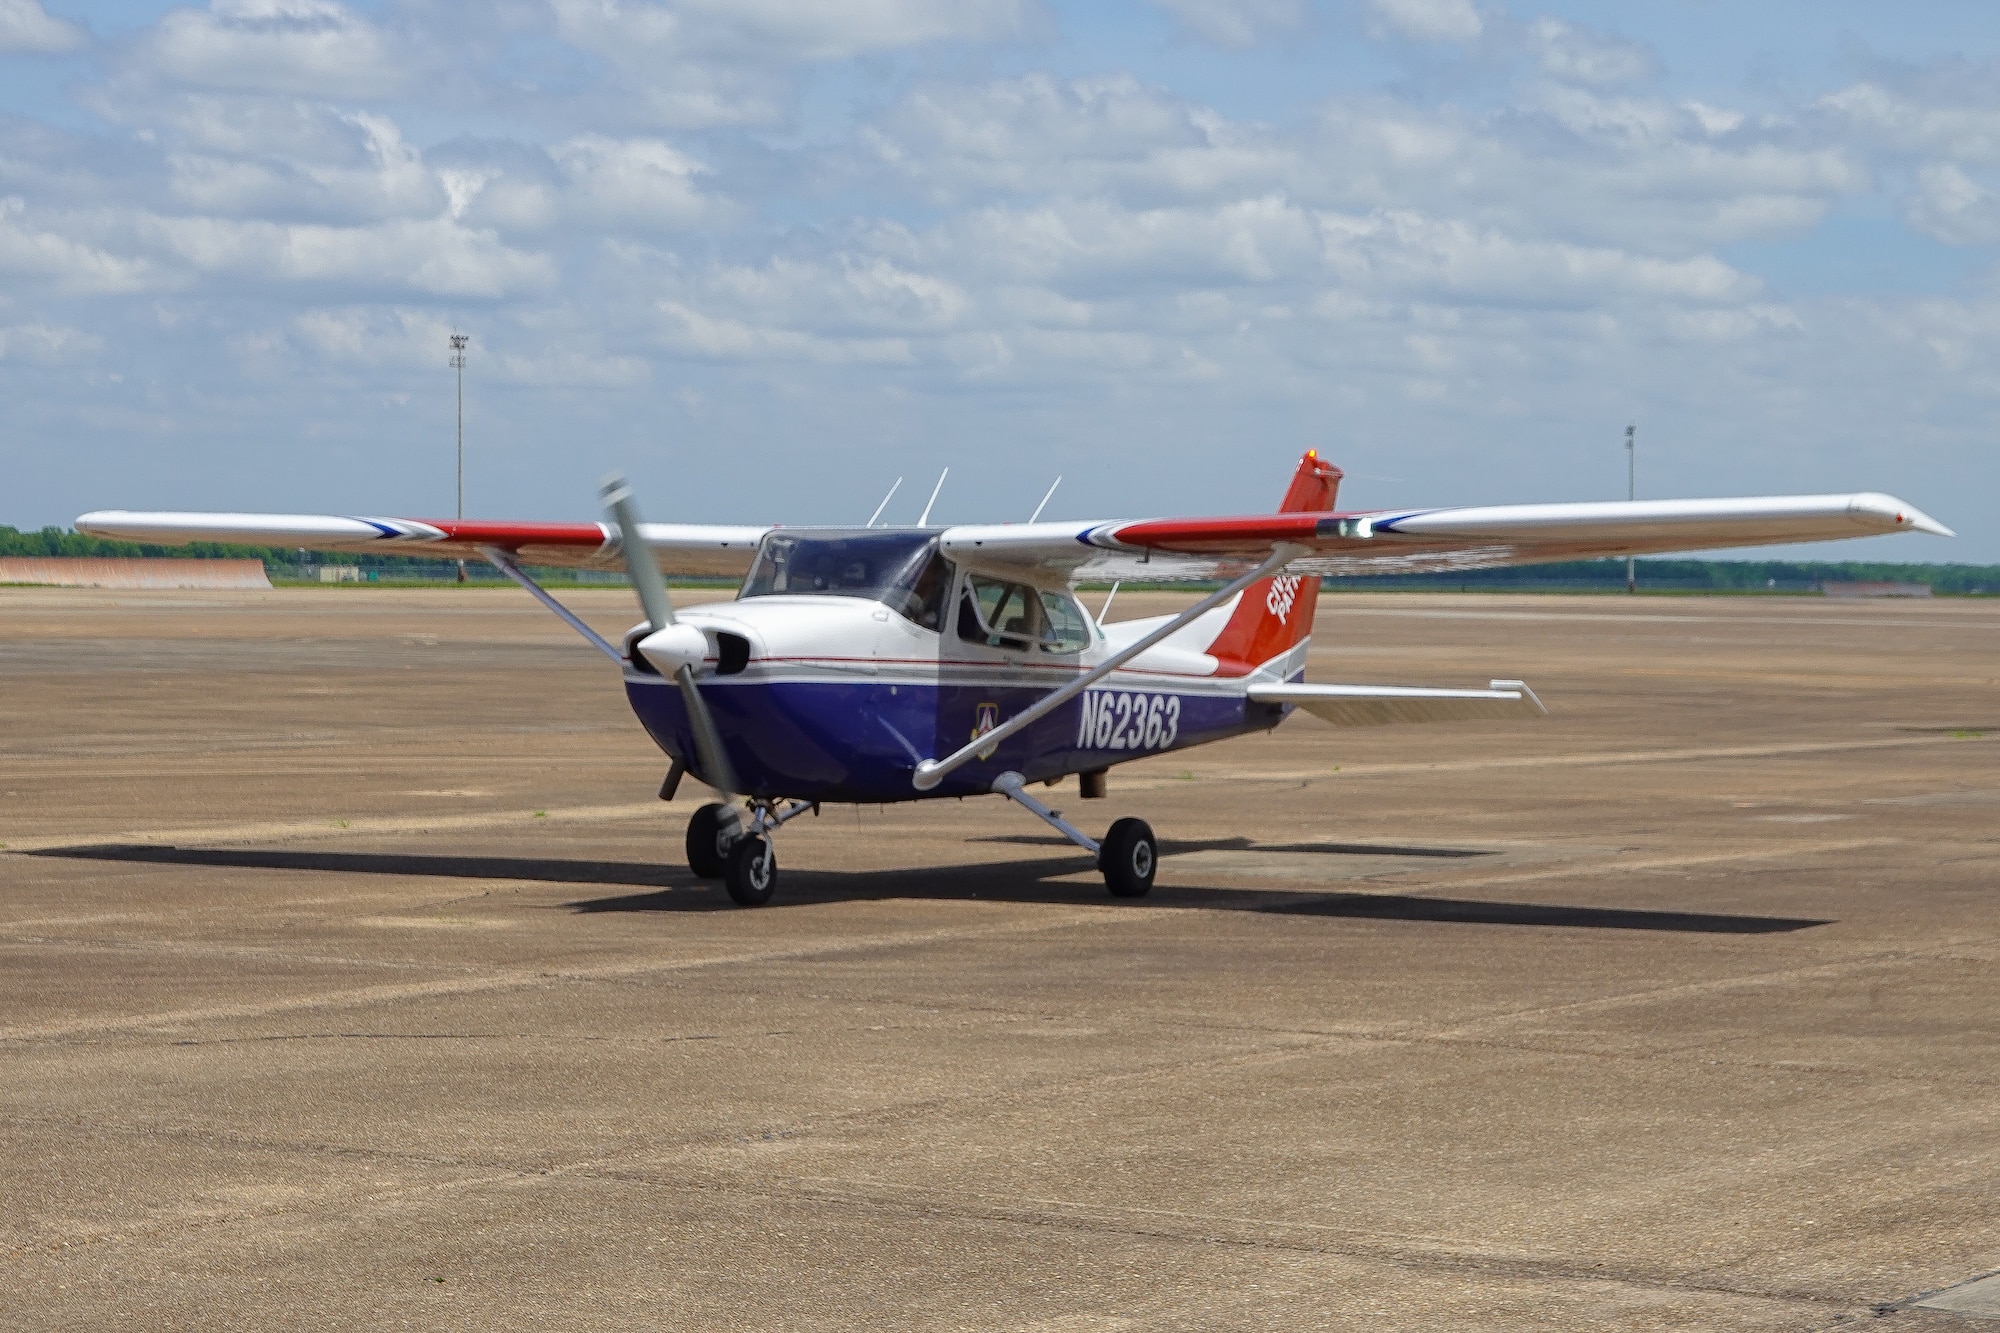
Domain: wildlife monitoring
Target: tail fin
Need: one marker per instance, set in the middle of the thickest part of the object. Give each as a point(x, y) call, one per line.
point(1276, 615)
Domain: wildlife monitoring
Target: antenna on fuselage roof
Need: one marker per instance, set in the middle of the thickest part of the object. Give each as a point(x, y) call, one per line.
point(925, 517)
point(885, 501)
point(1045, 499)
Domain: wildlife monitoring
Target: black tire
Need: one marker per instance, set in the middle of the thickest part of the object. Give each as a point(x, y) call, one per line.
point(708, 837)
point(1128, 856)
point(752, 873)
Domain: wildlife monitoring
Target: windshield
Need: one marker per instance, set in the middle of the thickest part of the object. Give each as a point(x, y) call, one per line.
point(902, 570)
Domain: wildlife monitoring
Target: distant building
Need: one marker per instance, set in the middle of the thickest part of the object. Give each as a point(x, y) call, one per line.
point(1876, 589)
point(352, 574)
point(96, 571)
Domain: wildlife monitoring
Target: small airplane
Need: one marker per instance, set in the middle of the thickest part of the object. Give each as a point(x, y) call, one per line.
point(876, 664)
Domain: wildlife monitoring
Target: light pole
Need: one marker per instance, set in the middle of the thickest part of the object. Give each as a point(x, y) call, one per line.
point(1631, 493)
point(458, 342)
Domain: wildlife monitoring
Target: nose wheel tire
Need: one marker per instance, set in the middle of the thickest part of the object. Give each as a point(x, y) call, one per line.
point(709, 835)
point(1128, 856)
point(751, 875)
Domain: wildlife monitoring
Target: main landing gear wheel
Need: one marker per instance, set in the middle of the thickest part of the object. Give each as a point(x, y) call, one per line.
point(751, 875)
point(709, 836)
point(1128, 856)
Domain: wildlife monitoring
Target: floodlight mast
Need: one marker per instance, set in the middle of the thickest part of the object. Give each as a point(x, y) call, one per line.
point(458, 342)
point(1631, 493)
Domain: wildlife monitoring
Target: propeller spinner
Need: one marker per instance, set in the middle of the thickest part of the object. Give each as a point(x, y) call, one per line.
point(671, 646)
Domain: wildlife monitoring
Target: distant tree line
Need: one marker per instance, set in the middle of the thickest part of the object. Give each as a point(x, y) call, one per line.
point(1570, 575)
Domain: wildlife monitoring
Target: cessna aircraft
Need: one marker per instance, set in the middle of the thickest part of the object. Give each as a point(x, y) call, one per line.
point(876, 664)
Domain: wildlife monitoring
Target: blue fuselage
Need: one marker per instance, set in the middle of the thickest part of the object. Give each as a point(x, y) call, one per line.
point(839, 702)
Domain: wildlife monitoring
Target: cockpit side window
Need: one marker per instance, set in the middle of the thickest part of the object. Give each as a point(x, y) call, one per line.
point(923, 601)
point(999, 614)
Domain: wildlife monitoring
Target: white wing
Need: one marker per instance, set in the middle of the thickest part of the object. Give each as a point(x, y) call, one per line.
point(1414, 541)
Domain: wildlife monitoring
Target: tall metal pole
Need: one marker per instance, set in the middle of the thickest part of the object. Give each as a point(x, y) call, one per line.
point(458, 342)
point(1631, 493)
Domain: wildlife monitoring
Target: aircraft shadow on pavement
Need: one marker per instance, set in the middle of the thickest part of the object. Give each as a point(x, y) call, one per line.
point(636, 874)
point(671, 889)
point(1174, 847)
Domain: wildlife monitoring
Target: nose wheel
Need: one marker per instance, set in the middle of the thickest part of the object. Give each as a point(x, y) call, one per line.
point(751, 875)
point(736, 847)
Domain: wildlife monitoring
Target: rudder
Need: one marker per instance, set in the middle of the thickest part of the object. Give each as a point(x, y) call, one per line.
point(1275, 615)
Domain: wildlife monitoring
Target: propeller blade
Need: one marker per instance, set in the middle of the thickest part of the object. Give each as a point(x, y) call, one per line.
point(646, 580)
point(659, 610)
point(715, 764)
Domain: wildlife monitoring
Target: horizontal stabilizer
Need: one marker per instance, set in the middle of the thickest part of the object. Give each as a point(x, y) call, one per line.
point(1379, 705)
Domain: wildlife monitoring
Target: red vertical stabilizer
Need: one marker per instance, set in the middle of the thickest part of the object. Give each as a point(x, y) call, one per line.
point(1275, 615)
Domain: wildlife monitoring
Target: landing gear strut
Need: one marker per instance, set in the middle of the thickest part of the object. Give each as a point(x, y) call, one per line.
point(709, 835)
point(1128, 855)
point(735, 846)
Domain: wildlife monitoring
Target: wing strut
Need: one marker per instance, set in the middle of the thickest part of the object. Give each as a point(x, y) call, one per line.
point(1010, 785)
point(932, 771)
point(504, 562)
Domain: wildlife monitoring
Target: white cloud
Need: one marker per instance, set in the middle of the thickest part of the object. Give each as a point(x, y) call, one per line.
point(376, 336)
point(588, 185)
point(1578, 55)
point(367, 171)
point(1430, 20)
point(724, 338)
point(1446, 261)
point(392, 339)
point(26, 27)
point(640, 184)
point(1039, 134)
point(42, 249)
point(1094, 247)
point(1235, 22)
point(1571, 162)
point(1884, 116)
point(1714, 120)
point(866, 303)
point(434, 256)
point(729, 62)
point(1952, 207)
point(45, 344)
point(785, 30)
point(309, 48)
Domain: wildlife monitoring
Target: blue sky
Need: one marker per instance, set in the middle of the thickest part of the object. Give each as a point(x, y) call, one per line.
point(767, 255)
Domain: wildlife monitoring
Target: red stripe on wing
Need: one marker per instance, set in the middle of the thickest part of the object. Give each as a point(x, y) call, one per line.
point(513, 536)
point(1250, 535)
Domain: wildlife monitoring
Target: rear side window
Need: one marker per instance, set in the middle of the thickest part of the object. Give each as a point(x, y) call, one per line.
point(1002, 614)
point(1068, 631)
